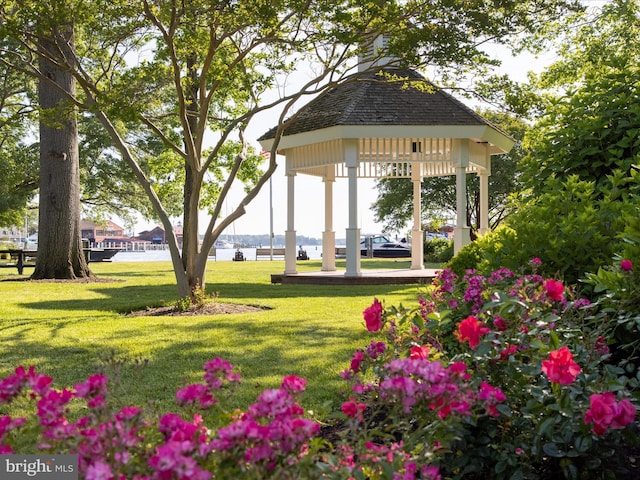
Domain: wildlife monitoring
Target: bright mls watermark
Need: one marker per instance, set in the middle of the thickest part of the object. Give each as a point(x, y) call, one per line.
point(41, 467)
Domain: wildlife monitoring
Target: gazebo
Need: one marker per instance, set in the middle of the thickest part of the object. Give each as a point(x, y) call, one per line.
point(387, 124)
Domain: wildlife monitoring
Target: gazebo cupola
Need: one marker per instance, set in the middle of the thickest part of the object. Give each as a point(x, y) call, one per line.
point(382, 124)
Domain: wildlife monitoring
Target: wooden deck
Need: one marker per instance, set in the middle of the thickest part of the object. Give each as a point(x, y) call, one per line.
point(367, 277)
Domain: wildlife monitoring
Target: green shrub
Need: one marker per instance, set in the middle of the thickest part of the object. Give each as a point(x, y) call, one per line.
point(469, 257)
point(438, 250)
point(475, 255)
point(573, 228)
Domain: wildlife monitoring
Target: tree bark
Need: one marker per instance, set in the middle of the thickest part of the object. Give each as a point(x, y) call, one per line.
point(192, 184)
point(60, 253)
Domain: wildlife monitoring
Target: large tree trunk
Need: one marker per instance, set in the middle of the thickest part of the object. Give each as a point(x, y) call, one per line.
point(60, 253)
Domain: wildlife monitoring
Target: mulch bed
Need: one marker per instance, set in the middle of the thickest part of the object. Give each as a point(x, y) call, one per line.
point(214, 308)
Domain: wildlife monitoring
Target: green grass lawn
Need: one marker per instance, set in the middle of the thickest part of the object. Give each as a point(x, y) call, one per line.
point(70, 330)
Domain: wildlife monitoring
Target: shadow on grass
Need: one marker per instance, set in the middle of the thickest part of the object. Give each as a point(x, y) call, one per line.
point(117, 298)
point(129, 298)
point(263, 354)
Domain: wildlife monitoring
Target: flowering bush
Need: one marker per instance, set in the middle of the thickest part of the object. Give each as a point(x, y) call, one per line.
point(502, 376)
point(498, 376)
point(270, 438)
point(618, 290)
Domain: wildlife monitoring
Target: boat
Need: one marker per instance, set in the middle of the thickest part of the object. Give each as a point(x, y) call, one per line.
point(101, 254)
point(383, 247)
point(222, 244)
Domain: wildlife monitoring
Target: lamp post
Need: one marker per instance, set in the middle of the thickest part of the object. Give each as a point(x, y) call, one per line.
point(270, 220)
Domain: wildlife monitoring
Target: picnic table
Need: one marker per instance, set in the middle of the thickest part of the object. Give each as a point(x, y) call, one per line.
point(17, 258)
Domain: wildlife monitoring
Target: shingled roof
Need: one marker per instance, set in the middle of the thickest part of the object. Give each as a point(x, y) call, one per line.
point(371, 100)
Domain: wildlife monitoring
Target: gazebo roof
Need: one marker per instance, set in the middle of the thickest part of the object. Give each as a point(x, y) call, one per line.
point(374, 100)
point(397, 120)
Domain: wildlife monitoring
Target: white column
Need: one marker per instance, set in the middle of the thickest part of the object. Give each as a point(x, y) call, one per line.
point(417, 240)
point(484, 202)
point(461, 232)
point(353, 232)
point(328, 236)
point(290, 234)
point(484, 191)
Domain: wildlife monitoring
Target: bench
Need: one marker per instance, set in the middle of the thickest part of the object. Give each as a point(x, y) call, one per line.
point(17, 259)
point(266, 252)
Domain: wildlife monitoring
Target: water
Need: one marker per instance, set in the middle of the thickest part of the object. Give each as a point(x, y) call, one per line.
point(314, 252)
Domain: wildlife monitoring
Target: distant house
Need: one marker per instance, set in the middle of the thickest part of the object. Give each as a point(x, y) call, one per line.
point(157, 235)
point(103, 232)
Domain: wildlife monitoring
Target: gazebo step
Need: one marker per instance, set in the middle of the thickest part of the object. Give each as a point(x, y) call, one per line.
point(389, 277)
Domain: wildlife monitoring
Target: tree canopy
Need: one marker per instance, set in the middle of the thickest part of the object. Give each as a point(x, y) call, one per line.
point(18, 157)
point(175, 84)
point(579, 208)
point(591, 117)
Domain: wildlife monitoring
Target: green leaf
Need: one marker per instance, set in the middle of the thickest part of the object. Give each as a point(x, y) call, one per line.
point(552, 450)
point(504, 409)
point(545, 427)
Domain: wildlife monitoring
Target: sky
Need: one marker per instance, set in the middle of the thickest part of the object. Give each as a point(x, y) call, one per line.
point(309, 190)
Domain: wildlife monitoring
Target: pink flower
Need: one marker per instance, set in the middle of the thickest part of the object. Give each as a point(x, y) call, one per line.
point(470, 330)
point(217, 370)
point(459, 369)
point(429, 472)
point(624, 414)
point(554, 289)
point(419, 352)
point(11, 386)
point(96, 402)
point(7, 424)
point(353, 409)
point(560, 367)
point(601, 411)
point(508, 351)
point(500, 323)
point(294, 384)
point(99, 471)
point(356, 360)
point(52, 405)
point(95, 385)
point(626, 265)
point(536, 261)
point(39, 383)
point(195, 393)
point(601, 346)
point(376, 348)
point(490, 394)
point(373, 316)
